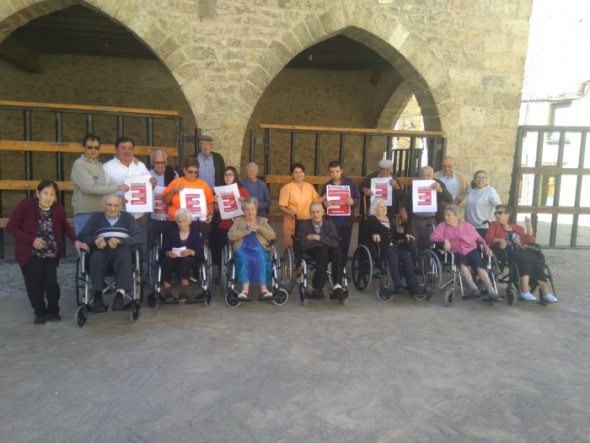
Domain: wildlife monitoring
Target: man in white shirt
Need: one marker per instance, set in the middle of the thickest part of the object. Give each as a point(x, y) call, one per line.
point(455, 182)
point(125, 165)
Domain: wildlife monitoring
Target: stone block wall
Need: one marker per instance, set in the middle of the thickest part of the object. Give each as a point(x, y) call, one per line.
point(462, 59)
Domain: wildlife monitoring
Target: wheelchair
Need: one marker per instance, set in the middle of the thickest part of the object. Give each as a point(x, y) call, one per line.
point(84, 291)
point(293, 259)
point(367, 264)
point(508, 274)
point(440, 261)
point(202, 275)
point(228, 279)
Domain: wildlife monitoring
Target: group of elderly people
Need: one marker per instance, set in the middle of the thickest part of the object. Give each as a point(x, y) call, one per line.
point(103, 227)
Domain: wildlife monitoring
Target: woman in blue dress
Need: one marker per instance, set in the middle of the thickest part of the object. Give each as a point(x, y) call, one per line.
point(252, 236)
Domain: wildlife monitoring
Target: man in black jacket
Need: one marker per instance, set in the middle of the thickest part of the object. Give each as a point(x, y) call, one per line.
point(211, 163)
point(319, 238)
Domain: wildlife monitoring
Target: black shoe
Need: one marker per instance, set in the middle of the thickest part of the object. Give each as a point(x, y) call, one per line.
point(316, 294)
point(169, 298)
point(53, 317)
point(182, 297)
point(416, 290)
point(40, 320)
point(118, 303)
point(338, 294)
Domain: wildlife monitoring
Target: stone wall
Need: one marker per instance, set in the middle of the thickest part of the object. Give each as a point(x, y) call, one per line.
point(462, 59)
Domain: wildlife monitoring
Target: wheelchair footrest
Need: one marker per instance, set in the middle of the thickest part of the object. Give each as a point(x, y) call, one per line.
point(201, 298)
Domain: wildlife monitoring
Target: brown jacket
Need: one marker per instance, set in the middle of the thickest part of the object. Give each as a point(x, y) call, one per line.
point(265, 234)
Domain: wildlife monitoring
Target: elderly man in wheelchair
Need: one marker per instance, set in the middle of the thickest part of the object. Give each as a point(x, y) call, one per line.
point(113, 235)
point(318, 239)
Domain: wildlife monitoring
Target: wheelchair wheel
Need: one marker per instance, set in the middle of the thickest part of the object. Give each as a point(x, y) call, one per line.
point(549, 279)
point(449, 296)
point(134, 314)
point(303, 295)
point(224, 268)
point(430, 271)
point(280, 296)
point(208, 265)
point(493, 271)
point(152, 299)
point(287, 270)
point(81, 316)
point(511, 296)
point(231, 298)
point(82, 283)
point(362, 268)
point(384, 294)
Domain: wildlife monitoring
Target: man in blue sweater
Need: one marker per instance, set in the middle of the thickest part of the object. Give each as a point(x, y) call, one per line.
point(112, 235)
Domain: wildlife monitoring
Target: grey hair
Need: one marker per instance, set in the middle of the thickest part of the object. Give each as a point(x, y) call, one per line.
point(252, 164)
point(314, 204)
point(107, 196)
point(454, 209)
point(249, 201)
point(182, 213)
point(158, 153)
point(373, 207)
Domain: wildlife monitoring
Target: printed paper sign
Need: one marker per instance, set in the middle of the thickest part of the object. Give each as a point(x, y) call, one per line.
point(193, 200)
point(338, 193)
point(139, 196)
point(381, 188)
point(160, 211)
point(228, 200)
point(424, 198)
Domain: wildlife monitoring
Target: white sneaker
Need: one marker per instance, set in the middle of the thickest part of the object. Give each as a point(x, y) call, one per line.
point(527, 296)
point(550, 298)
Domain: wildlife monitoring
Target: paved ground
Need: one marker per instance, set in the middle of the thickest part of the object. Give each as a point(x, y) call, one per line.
point(370, 371)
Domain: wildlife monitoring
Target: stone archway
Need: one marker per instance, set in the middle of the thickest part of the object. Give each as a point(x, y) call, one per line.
point(145, 26)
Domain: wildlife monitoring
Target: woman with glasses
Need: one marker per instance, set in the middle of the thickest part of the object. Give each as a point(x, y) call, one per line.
point(219, 238)
point(90, 183)
point(511, 240)
point(190, 180)
point(480, 203)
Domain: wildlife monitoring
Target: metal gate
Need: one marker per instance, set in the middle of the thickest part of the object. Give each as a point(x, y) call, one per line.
point(551, 182)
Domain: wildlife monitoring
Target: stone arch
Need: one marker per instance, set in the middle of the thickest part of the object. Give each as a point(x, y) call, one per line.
point(391, 40)
point(142, 23)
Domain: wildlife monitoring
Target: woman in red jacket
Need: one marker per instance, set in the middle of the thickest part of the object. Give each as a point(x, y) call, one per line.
point(37, 224)
point(512, 239)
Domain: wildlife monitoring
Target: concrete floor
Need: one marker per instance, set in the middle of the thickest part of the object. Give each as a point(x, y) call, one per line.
point(403, 371)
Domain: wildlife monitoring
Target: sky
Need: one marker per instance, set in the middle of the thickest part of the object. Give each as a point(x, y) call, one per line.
point(558, 59)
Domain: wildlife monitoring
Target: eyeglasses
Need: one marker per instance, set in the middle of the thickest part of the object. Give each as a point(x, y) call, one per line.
point(500, 212)
point(159, 163)
point(192, 171)
point(93, 148)
point(481, 178)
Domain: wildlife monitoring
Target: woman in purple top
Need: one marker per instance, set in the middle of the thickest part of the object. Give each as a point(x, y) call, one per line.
point(461, 238)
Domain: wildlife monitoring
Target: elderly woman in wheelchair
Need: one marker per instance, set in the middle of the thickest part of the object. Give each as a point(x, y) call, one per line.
point(461, 239)
point(182, 249)
point(380, 235)
point(252, 237)
point(510, 241)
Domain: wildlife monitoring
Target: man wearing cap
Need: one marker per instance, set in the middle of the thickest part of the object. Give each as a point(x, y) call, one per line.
point(421, 225)
point(385, 170)
point(456, 183)
point(211, 163)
